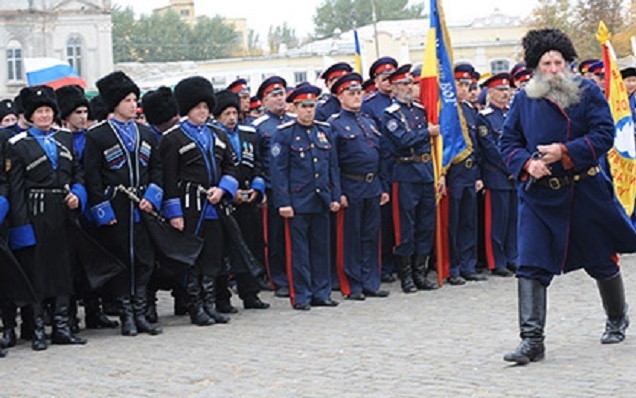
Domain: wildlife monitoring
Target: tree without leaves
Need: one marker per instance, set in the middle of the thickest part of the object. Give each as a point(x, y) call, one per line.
point(281, 34)
point(552, 14)
point(588, 14)
point(340, 14)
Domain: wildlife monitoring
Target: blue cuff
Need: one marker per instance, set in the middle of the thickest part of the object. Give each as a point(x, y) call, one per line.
point(4, 208)
point(79, 191)
point(21, 237)
point(103, 213)
point(229, 184)
point(172, 208)
point(154, 195)
point(258, 184)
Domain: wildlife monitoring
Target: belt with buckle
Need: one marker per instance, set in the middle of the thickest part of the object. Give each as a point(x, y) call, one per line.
point(556, 183)
point(423, 158)
point(368, 177)
point(54, 191)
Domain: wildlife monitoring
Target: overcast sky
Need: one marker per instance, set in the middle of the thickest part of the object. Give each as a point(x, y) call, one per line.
point(299, 13)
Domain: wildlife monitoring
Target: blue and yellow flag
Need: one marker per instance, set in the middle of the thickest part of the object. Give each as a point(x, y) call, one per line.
point(358, 54)
point(622, 157)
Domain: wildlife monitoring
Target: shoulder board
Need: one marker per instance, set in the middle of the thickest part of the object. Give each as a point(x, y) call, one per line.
point(486, 111)
point(323, 100)
point(394, 107)
point(370, 97)
point(318, 122)
point(17, 137)
point(418, 105)
point(291, 115)
point(248, 129)
point(260, 120)
point(63, 130)
point(286, 124)
point(333, 117)
point(171, 129)
point(97, 125)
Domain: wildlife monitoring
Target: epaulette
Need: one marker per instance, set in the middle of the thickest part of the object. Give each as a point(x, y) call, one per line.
point(292, 115)
point(418, 105)
point(97, 125)
point(286, 124)
point(318, 122)
point(323, 100)
point(393, 108)
point(333, 117)
point(370, 97)
point(486, 111)
point(17, 137)
point(245, 128)
point(260, 120)
point(62, 129)
point(171, 129)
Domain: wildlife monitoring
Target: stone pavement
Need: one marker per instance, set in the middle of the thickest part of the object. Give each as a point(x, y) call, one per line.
point(447, 343)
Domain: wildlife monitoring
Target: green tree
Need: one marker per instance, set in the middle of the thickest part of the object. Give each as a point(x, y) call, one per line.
point(252, 43)
point(163, 38)
point(123, 34)
point(281, 34)
point(212, 38)
point(342, 14)
point(588, 14)
point(552, 14)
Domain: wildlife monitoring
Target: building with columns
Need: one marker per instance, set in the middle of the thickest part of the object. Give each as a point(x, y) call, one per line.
point(76, 31)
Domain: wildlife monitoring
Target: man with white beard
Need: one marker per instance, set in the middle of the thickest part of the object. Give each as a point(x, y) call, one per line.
point(555, 132)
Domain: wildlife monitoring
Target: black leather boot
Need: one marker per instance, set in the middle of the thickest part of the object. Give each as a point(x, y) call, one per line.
point(139, 309)
point(223, 297)
point(3, 352)
point(38, 340)
point(532, 314)
point(419, 274)
point(613, 296)
point(209, 299)
point(9, 338)
point(198, 316)
point(62, 325)
point(151, 306)
point(28, 322)
point(126, 316)
point(405, 273)
point(94, 317)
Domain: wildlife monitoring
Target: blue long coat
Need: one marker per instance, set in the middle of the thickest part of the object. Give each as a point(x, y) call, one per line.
point(579, 225)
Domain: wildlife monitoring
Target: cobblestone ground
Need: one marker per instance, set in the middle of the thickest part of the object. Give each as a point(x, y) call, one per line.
point(447, 343)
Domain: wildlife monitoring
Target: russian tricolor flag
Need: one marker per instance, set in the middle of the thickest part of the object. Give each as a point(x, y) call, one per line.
point(51, 72)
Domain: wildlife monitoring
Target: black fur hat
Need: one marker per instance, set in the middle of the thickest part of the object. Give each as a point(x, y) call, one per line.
point(70, 98)
point(224, 100)
point(159, 106)
point(18, 104)
point(114, 87)
point(7, 108)
point(538, 42)
point(36, 96)
point(190, 91)
point(97, 109)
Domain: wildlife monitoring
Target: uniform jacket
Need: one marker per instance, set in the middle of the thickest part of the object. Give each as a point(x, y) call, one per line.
point(494, 171)
point(465, 174)
point(189, 167)
point(577, 225)
point(357, 142)
point(266, 127)
point(327, 107)
point(405, 127)
point(304, 169)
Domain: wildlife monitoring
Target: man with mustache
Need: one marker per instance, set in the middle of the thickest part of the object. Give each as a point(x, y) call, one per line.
point(555, 133)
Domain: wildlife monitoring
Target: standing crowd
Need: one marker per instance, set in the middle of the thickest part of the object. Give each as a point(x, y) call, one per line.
point(304, 194)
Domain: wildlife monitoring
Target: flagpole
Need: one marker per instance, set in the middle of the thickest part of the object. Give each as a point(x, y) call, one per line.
point(375, 29)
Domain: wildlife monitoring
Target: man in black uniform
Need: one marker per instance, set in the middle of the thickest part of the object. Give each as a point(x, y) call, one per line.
point(199, 173)
point(45, 183)
point(120, 152)
point(250, 193)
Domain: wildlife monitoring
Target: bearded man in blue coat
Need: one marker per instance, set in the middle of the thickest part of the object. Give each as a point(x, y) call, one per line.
point(556, 131)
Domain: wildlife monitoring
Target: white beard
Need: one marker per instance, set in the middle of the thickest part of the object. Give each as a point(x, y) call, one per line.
point(564, 88)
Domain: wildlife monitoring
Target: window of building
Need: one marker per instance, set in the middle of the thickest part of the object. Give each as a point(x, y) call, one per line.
point(74, 53)
point(185, 13)
point(499, 65)
point(300, 77)
point(14, 61)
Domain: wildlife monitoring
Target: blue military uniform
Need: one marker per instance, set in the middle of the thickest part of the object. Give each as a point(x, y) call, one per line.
point(304, 176)
point(329, 104)
point(357, 142)
point(266, 127)
point(501, 196)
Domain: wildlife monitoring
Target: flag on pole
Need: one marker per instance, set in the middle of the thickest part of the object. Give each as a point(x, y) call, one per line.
point(358, 54)
point(622, 157)
point(51, 72)
point(438, 94)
